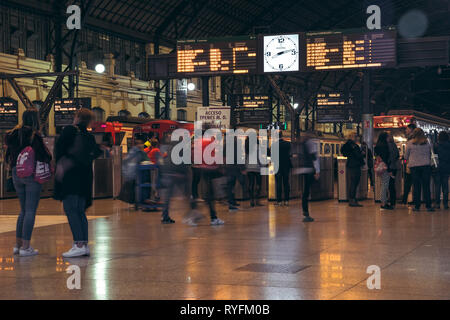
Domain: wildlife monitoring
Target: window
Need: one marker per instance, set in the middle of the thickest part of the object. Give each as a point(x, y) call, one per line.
point(181, 115)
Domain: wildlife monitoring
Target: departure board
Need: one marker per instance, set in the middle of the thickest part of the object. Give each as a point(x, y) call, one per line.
point(336, 50)
point(217, 56)
point(249, 101)
point(65, 110)
point(338, 107)
point(245, 116)
point(8, 113)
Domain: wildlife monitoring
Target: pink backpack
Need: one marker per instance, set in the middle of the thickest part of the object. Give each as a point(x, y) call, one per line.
point(25, 164)
point(43, 172)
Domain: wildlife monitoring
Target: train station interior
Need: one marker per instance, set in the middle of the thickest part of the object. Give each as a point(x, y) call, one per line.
point(346, 197)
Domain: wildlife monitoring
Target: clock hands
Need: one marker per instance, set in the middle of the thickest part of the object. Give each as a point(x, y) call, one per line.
point(281, 53)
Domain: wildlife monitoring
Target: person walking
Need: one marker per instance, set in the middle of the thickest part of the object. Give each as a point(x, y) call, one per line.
point(408, 177)
point(28, 190)
point(418, 155)
point(306, 163)
point(442, 150)
point(382, 166)
point(75, 151)
point(394, 156)
point(284, 170)
point(355, 160)
point(253, 173)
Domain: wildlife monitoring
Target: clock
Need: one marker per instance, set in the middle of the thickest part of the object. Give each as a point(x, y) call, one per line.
point(281, 53)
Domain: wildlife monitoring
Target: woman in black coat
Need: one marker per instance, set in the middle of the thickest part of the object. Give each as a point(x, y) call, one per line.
point(382, 151)
point(75, 151)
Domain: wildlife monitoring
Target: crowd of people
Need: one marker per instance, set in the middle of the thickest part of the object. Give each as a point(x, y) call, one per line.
point(76, 149)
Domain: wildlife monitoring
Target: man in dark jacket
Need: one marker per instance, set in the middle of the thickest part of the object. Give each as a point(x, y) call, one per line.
point(408, 178)
point(284, 169)
point(442, 150)
point(75, 151)
point(355, 160)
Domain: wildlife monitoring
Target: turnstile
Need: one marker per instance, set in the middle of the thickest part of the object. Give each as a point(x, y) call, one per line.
point(344, 185)
point(103, 178)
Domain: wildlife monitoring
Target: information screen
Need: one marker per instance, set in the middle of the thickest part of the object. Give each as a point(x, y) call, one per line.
point(65, 110)
point(252, 116)
point(217, 56)
point(338, 107)
point(249, 101)
point(8, 113)
point(337, 50)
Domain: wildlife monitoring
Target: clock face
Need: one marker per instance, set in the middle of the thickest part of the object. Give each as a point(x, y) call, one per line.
point(281, 53)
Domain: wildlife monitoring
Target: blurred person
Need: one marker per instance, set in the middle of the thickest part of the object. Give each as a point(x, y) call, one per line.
point(253, 173)
point(75, 152)
point(355, 160)
point(394, 156)
point(382, 153)
point(442, 150)
point(234, 172)
point(407, 183)
point(418, 155)
point(282, 176)
point(209, 172)
point(28, 190)
point(306, 163)
point(364, 146)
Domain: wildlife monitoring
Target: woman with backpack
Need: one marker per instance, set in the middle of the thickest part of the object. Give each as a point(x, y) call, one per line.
point(75, 151)
point(26, 144)
point(382, 166)
point(418, 155)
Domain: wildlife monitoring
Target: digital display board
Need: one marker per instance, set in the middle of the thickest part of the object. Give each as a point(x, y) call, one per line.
point(249, 101)
point(245, 116)
point(9, 109)
point(338, 107)
point(217, 56)
point(65, 110)
point(337, 50)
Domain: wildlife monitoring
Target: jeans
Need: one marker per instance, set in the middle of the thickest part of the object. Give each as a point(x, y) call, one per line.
point(441, 183)
point(232, 176)
point(254, 178)
point(170, 182)
point(392, 189)
point(75, 207)
point(308, 181)
point(29, 193)
point(209, 176)
point(421, 177)
point(385, 177)
point(355, 177)
point(282, 182)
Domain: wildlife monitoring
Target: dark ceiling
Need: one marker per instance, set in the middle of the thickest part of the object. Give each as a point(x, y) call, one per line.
point(168, 20)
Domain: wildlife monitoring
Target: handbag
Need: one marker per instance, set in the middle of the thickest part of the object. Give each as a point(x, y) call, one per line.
point(380, 167)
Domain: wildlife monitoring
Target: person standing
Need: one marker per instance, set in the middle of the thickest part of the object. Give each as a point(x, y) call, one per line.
point(408, 177)
point(307, 164)
point(75, 151)
point(383, 158)
point(284, 170)
point(442, 150)
point(234, 172)
point(394, 156)
point(28, 190)
point(355, 160)
point(418, 155)
point(253, 173)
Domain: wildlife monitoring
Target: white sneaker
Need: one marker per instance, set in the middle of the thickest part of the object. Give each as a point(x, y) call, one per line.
point(27, 252)
point(75, 251)
point(189, 222)
point(217, 222)
point(16, 250)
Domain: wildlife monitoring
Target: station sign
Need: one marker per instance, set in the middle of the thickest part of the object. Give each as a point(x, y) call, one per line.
point(9, 110)
point(249, 101)
point(216, 117)
point(245, 116)
point(65, 109)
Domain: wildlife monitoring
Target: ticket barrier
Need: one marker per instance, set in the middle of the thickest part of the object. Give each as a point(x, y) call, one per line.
point(344, 182)
point(7, 189)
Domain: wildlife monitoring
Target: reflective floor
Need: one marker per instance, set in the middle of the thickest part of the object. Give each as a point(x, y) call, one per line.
point(260, 253)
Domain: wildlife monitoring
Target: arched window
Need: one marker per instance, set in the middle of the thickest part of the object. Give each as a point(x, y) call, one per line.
point(99, 114)
point(181, 115)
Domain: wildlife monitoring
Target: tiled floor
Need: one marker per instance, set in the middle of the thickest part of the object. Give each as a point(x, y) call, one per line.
point(135, 257)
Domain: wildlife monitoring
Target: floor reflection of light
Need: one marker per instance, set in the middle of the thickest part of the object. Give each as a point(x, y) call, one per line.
point(100, 270)
point(6, 264)
point(272, 222)
point(331, 270)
